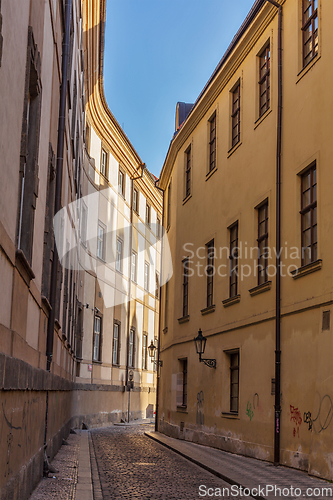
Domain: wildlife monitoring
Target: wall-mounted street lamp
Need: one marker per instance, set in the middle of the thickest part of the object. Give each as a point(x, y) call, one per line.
point(200, 345)
point(151, 349)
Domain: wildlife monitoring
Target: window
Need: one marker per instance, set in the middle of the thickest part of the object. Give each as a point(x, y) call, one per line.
point(235, 116)
point(116, 343)
point(148, 215)
point(262, 242)
point(104, 161)
point(88, 138)
point(169, 206)
point(101, 241)
point(157, 285)
point(185, 286)
point(310, 30)
point(309, 215)
point(84, 221)
point(146, 283)
point(134, 268)
point(144, 351)
point(97, 339)
point(210, 272)
point(264, 80)
point(234, 381)
point(158, 228)
point(233, 272)
point(131, 348)
point(182, 384)
point(29, 150)
point(136, 200)
point(119, 258)
point(188, 172)
point(212, 143)
point(121, 183)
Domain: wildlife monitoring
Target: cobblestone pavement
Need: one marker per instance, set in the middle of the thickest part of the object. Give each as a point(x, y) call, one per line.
point(132, 466)
point(61, 485)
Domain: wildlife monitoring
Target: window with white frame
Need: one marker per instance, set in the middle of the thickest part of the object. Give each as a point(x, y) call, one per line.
point(121, 183)
point(97, 339)
point(148, 214)
point(115, 345)
point(101, 241)
point(134, 267)
point(146, 284)
point(131, 348)
point(119, 257)
point(144, 351)
point(136, 200)
point(104, 163)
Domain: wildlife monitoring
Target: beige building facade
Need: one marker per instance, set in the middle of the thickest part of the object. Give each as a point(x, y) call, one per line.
point(58, 364)
point(263, 120)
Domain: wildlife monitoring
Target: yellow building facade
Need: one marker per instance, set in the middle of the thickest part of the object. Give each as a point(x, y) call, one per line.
point(230, 230)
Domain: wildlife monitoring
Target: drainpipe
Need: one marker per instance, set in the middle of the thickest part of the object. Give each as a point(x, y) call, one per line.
point(159, 317)
point(59, 168)
point(277, 405)
point(57, 206)
point(142, 166)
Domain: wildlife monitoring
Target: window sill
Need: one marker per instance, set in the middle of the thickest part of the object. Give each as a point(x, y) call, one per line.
point(24, 267)
point(262, 117)
point(307, 67)
point(264, 287)
point(208, 310)
point(182, 409)
point(231, 301)
point(234, 148)
point(309, 268)
point(165, 330)
point(184, 319)
point(230, 415)
point(208, 176)
point(185, 200)
point(97, 362)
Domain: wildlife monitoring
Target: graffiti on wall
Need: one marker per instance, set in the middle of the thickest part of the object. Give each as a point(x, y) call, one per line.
point(296, 418)
point(200, 408)
point(307, 419)
point(322, 416)
point(249, 411)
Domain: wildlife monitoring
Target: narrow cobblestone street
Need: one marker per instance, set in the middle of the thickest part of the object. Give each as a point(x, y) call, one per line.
point(132, 462)
point(132, 466)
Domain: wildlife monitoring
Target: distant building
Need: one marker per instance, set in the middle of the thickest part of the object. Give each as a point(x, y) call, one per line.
point(120, 261)
point(222, 211)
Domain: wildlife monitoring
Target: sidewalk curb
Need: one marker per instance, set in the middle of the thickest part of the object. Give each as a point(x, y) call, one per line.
point(96, 484)
point(200, 464)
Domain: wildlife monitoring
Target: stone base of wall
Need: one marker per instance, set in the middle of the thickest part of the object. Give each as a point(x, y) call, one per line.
point(225, 443)
point(24, 393)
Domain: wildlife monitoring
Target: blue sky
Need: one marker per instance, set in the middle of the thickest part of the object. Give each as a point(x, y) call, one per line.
point(159, 52)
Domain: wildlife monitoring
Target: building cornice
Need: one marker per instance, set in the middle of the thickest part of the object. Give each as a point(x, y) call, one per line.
point(98, 113)
point(251, 30)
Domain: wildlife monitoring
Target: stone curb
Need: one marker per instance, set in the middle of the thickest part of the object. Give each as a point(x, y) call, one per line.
point(160, 439)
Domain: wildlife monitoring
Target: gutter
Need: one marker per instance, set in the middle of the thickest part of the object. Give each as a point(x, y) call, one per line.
point(277, 405)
